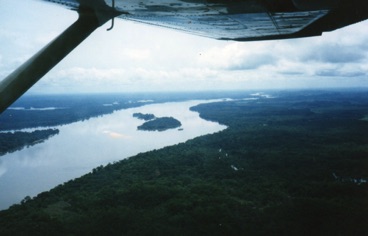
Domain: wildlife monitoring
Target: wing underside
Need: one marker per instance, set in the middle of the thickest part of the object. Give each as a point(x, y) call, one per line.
point(236, 26)
point(238, 20)
point(241, 20)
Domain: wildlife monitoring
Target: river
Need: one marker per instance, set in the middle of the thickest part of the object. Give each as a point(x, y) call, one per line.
point(82, 146)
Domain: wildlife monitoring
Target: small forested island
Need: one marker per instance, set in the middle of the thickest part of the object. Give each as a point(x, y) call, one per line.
point(14, 141)
point(144, 116)
point(160, 124)
point(295, 164)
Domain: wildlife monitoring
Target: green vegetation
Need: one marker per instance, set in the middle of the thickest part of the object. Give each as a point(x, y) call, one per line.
point(63, 110)
point(144, 116)
point(278, 169)
point(73, 108)
point(11, 142)
point(160, 124)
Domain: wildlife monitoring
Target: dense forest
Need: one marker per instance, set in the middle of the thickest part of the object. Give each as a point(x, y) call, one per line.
point(160, 124)
point(14, 141)
point(34, 111)
point(41, 111)
point(289, 165)
point(144, 116)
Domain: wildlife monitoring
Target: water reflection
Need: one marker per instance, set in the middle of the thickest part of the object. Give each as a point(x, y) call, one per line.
point(82, 146)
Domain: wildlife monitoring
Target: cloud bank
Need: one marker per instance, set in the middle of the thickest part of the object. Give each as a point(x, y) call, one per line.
point(135, 57)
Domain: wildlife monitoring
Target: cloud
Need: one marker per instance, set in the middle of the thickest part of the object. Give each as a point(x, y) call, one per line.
point(137, 54)
point(152, 58)
point(339, 53)
point(343, 71)
point(238, 56)
point(335, 53)
point(131, 79)
point(337, 73)
point(278, 64)
point(90, 74)
point(80, 79)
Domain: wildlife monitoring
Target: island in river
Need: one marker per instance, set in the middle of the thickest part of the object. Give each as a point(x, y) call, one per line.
point(145, 117)
point(160, 124)
point(284, 166)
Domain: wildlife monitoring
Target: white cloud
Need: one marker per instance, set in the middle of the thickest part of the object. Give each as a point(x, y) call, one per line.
point(90, 74)
point(135, 57)
point(118, 80)
point(238, 56)
point(137, 54)
point(339, 54)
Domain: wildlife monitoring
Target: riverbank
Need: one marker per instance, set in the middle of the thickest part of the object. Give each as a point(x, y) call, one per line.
point(271, 172)
point(81, 146)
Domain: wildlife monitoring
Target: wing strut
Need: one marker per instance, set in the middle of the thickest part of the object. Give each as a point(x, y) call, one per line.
point(23, 78)
point(112, 19)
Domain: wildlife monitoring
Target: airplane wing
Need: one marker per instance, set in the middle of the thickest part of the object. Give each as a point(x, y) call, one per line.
point(239, 20)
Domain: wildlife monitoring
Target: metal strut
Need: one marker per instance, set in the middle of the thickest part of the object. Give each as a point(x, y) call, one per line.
point(112, 19)
point(23, 78)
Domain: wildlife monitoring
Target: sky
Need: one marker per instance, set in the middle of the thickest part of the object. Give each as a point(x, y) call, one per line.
point(134, 57)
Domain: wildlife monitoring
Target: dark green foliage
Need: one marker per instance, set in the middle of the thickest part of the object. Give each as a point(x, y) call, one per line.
point(73, 108)
point(144, 116)
point(160, 124)
point(284, 166)
point(68, 109)
point(11, 142)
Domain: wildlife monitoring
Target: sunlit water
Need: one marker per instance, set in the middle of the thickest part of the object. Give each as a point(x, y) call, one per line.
point(82, 146)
